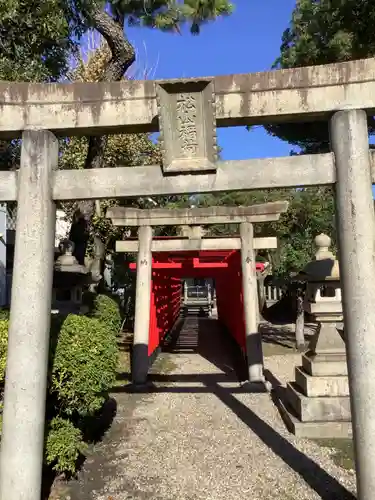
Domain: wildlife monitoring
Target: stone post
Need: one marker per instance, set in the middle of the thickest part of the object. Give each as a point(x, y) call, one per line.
point(356, 230)
point(250, 304)
point(140, 360)
point(300, 320)
point(28, 348)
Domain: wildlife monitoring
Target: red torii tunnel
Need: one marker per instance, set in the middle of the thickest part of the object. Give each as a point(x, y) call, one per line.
point(168, 270)
point(162, 264)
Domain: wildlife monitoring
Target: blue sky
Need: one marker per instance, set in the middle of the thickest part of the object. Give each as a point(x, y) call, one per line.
point(246, 41)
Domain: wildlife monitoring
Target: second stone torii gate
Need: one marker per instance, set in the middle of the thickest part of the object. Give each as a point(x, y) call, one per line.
point(245, 217)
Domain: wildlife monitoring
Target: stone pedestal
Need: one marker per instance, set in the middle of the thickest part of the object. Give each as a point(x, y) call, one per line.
point(317, 403)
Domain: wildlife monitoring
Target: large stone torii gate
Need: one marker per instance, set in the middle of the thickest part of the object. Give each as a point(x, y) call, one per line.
point(145, 220)
point(186, 112)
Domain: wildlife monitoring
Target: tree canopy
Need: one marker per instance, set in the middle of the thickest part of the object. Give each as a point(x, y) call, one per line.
point(311, 212)
point(38, 40)
point(322, 32)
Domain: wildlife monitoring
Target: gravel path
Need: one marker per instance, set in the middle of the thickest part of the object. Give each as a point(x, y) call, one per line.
point(198, 436)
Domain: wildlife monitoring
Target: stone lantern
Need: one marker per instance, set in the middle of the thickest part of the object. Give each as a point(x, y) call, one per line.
point(323, 300)
point(317, 404)
point(69, 280)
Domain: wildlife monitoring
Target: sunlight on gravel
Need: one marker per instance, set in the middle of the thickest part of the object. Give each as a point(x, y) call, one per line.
point(198, 436)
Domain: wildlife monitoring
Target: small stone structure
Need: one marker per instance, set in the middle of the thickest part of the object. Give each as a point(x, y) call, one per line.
point(69, 280)
point(317, 404)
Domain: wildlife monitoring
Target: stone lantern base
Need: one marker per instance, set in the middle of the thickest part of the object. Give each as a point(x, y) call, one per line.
point(317, 404)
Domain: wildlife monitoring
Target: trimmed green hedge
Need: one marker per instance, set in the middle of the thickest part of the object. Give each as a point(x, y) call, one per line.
point(107, 310)
point(82, 369)
point(4, 314)
point(64, 444)
point(3, 348)
point(84, 365)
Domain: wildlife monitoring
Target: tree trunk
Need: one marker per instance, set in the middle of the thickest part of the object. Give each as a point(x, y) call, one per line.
point(300, 322)
point(123, 56)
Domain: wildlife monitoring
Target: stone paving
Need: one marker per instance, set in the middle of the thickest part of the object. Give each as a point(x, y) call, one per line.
point(198, 436)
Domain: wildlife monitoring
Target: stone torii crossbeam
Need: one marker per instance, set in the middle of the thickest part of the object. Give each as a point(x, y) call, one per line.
point(145, 220)
point(187, 113)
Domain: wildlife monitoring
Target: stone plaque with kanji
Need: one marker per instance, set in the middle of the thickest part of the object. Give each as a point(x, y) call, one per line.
point(187, 125)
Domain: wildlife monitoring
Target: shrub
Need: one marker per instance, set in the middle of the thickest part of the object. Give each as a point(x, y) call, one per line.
point(4, 314)
point(3, 348)
point(84, 365)
point(83, 361)
point(64, 445)
point(107, 310)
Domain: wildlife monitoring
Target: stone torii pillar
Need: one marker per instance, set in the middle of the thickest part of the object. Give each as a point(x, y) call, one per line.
point(254, 352)
point(356, 230)
point(22, 440)
point(142, 307)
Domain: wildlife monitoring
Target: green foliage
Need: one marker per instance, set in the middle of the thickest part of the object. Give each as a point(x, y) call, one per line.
point(320, 33)
point(4, 314)
point(107, 310)
point(325, 31)
point(311, 211)
point(170, 15)
point(239, 198)
point(84, 356)
point(84, 365)
point(64, 444)
point(4, 323)
point(3, 348)
point(35, 39)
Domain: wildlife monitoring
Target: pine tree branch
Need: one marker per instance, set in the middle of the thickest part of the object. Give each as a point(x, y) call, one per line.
point(123, 53)
point(123, 56)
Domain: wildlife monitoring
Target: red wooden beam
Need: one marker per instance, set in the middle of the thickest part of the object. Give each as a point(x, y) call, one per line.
point(212, 265)
point(159, 265)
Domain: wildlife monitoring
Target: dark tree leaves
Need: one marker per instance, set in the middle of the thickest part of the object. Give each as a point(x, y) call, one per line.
point(323, 32)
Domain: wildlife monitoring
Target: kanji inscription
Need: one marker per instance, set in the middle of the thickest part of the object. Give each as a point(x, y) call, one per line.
point(187, 125)
point(186, 108)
